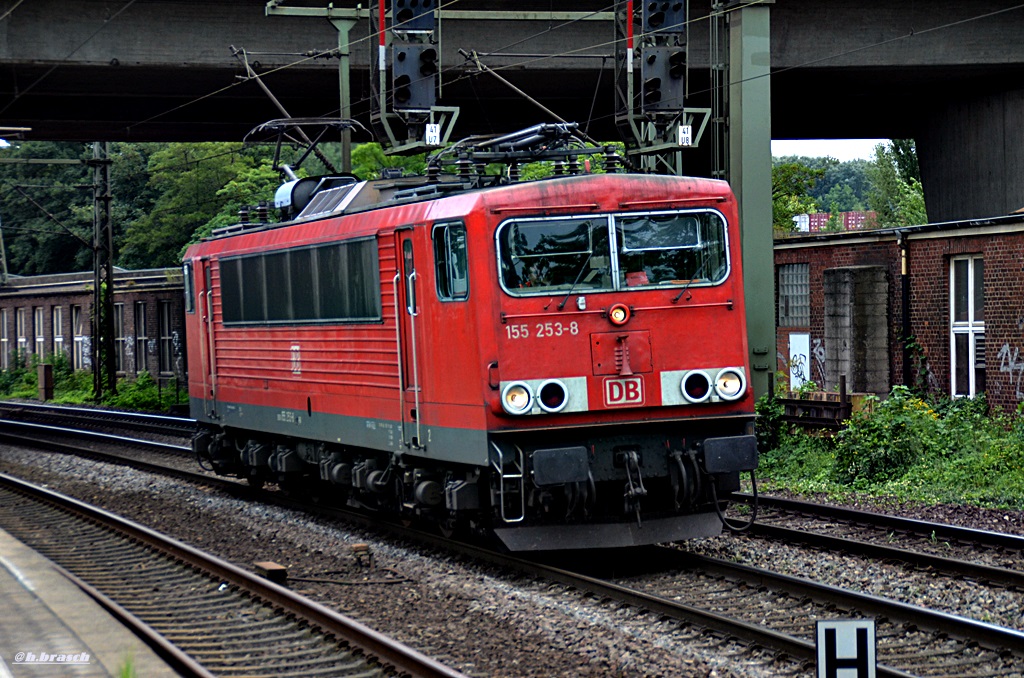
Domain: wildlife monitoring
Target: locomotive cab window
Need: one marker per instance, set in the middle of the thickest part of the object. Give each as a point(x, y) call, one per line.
point(555, 254)
point(613, 252)
point(451, 263)
point(672, 249)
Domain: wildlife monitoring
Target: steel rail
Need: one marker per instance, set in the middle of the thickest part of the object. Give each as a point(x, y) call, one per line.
point(155, 423)
point(996, 575)
point(961, 627)
point(174, 657)
point(967, 534)
point(387, 651)
point(94, 435)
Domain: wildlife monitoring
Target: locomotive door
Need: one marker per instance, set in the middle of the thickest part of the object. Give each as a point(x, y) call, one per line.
point(204, 299)
point(407, 312)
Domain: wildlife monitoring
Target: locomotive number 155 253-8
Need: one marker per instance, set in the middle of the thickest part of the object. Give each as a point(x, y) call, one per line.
point(542, 330)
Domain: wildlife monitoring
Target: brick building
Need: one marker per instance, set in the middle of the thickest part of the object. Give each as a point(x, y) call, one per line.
point(846, 300)
point(47, 314)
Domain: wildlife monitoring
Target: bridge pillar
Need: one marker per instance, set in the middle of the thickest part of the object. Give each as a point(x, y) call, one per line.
point(750, 173)
point(971, 154)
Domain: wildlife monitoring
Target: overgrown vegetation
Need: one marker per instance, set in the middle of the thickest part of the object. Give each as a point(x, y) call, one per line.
point(71, 387)
point(904, 447)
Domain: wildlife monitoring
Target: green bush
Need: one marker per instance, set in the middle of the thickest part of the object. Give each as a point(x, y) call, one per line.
point(802, 462)
point(950, 451)
point(145, 393)
point(884, 441)
point(768, 425)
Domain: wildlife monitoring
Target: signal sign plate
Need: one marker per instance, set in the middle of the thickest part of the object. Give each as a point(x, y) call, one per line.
point(624, 391)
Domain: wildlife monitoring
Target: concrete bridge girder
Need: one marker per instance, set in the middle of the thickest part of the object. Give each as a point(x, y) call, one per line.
point(943, 72)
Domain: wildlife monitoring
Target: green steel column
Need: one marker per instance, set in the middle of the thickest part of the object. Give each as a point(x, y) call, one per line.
point(344, 26)
point(750, 165)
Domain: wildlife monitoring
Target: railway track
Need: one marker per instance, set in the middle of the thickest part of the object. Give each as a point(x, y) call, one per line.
point(203, 615)
point(994, 558)
point(95, 418)
point(762, 614)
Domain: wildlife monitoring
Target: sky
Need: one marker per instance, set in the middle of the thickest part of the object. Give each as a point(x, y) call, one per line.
point(840, 149)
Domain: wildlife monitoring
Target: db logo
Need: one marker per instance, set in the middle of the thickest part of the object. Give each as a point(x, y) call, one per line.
point(628, 391)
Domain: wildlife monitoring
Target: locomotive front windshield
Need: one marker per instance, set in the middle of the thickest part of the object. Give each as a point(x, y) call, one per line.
point(612, 252)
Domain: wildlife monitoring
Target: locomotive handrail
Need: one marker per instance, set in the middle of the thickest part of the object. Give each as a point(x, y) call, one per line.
point(398, 353)
point(418, 441)
point(555, 208)
point(505, 317)
point(671, 201)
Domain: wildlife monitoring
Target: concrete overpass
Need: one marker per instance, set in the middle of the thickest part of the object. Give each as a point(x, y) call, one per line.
point(947, 73)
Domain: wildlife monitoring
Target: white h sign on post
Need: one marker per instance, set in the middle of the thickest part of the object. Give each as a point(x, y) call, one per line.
point(846, 649)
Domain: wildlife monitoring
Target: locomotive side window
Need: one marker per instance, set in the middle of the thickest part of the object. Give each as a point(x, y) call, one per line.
point(671, 248)
point(190, 288)
point(555, 254)
point(339, 282)
point(451, 262)
point(612, 252)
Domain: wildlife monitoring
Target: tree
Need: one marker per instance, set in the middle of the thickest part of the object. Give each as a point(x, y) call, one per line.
point(187, 179)
point(791, 183)
point(47, 208)
point(369, 161)
point(896, 193)
point(248, 187)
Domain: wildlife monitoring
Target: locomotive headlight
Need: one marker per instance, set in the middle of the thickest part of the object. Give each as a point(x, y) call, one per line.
point(552, 396)
point(696, 386)
point(517, 398)
point(618, 314)
point(730, 384)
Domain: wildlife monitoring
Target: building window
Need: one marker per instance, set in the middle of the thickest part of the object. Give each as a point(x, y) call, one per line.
point(22, 330)
point(166, 338)
point(5, 348)
point(967, 325)
point(795, 295)
point(58, 331)
point(119, 345)
point(141, 338)
point(39, 331)
point(77, 329)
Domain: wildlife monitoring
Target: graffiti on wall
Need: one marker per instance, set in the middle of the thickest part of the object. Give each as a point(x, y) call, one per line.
point(818, 354)
point(1010, 363)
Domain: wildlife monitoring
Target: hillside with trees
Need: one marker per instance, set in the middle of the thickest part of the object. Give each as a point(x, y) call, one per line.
point(166, 195)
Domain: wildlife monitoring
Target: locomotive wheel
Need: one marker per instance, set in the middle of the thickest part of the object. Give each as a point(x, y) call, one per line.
point(255, 482)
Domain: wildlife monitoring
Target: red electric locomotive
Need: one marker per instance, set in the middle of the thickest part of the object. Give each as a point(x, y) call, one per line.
point(561, 362)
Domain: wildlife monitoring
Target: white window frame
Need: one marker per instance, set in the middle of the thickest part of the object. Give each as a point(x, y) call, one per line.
point(166, 337)
point(39, 331)
point(58, 330)
point(119, 339)
point(21, 320)
point(78, 328)
point(141, 338)
point(5, 348)
point(972, 329)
